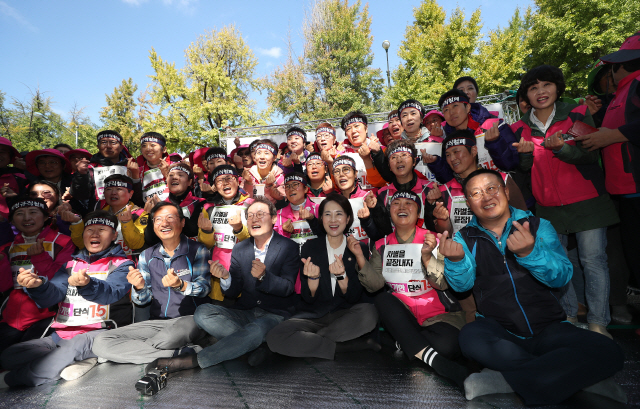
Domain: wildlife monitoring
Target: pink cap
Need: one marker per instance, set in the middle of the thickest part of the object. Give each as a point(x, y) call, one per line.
point(7, 142)
point(432, 112)
point(82, 152)
point(34, 155)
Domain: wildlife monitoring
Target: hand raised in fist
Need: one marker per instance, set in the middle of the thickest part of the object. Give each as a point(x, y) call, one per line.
point(337, 267)
point(327, 185)
point(246, 176)
point(492, 133)
point(434, 194)
point(427, 158)
point(370, 200)
point(134, 277)
point(288, 226)
point(28, 279)
point(82, 166)
point(523, 146)
point(521, 241)
point(218, 270)
point(171, 279)
point(235, 220)
point(206, 187)
point(449, 248)
point(555, 142)
point(440, 212)
point(36, 248)
point(79, 278)
point(270, 180)
point(132, 168)
point(6, 191)
point(258, 268)
point(429, 244)
point(69, 216)
point(354, 246)
point(363, 212)
point(125, 215)
point(306, 214)
point(204, 223)
point(310, 270)
point(197, 170)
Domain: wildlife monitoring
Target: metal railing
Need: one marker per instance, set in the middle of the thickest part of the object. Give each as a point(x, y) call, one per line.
point(506, 99)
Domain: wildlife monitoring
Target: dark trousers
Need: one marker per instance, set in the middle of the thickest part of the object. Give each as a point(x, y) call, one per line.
point(10, 336)
point(412, 337)
point(629, 225)
point(547, 368)
point(317, 337)
point(618, 269)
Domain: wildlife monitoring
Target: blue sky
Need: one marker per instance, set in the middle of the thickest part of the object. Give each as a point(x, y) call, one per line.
point(76, 51)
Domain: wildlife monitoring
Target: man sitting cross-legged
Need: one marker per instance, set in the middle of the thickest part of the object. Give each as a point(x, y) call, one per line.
point(92, 292)
point(174, 277)
point(263, 269)
point(515, 265)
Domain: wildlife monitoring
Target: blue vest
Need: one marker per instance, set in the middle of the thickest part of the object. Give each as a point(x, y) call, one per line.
point(506, 291)
point(168, 303)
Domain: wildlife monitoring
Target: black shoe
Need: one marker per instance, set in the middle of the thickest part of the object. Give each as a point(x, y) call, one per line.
point(621, 315)
point(259, 355)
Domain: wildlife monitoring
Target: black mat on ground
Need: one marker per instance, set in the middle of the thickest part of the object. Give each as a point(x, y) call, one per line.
point(355, 380)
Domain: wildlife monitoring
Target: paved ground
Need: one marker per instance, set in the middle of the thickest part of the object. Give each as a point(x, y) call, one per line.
point(359, 380)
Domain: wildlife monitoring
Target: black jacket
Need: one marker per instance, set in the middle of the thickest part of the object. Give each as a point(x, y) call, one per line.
point(324, 302)
point(275, 293)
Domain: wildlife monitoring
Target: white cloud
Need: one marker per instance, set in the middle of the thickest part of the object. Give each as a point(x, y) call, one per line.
point(9, 11)
point(274, 52)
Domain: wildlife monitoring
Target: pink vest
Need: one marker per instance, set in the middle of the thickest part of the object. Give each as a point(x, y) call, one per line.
point(286, 213)
point(422, 306)
point(618, 179)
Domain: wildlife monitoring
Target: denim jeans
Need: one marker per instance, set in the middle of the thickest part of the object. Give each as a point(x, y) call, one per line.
point(592, 246)
point(237, 331)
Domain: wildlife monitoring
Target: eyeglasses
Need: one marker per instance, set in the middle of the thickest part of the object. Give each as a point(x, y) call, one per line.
point(323, 135)
point(478, 194)
point(347, 170)
point(292, 186)
point(169, 219)
point(109, 143)
point(257, 215)
point(315, 163)
point(436, 121)
point(224, 181)
point(400, 156)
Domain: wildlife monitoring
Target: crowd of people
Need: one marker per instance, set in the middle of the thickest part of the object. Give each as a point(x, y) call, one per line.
point(478, 267)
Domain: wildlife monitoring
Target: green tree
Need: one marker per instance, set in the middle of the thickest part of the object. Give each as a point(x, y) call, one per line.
point(79, 122)
point(124, 115)
point(572, 34)
point(500, 62)
point(210, 92)
point(334, 76)
point(434, 53)
point(32, 124)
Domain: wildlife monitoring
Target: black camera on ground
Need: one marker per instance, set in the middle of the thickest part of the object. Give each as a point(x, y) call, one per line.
point(153, 381)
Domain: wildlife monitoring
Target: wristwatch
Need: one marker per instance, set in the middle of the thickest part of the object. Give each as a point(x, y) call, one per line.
point(342, 276)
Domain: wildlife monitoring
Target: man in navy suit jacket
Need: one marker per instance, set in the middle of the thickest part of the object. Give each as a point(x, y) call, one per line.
point(264, 270)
